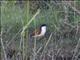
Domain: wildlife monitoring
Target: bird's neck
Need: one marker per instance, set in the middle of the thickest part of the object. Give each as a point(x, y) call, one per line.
point(43, 30)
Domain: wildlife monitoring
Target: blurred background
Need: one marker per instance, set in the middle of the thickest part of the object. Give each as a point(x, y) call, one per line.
point(62, 40)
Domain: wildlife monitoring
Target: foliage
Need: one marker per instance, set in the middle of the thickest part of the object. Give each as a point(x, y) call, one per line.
point(63, 34)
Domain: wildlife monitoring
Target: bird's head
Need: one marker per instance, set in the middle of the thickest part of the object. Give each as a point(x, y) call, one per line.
point(43, 27)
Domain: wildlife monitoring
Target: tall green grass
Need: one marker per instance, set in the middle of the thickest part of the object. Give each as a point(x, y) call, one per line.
point(18, 22)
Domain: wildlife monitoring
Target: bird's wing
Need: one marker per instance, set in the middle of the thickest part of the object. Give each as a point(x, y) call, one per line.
point(36, 32)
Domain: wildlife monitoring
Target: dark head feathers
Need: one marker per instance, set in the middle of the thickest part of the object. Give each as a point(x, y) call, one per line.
point(43, 25)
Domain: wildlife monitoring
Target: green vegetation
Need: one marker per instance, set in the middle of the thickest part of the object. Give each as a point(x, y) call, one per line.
point(18, 20)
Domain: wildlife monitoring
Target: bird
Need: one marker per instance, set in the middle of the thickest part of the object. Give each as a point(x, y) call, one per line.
point(39, 32)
